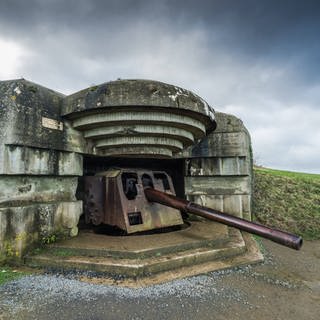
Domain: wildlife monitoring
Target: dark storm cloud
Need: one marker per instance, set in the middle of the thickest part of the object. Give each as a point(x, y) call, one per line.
point(268, 28)
point(257, 59)
point(254, 25)
point(255, 31)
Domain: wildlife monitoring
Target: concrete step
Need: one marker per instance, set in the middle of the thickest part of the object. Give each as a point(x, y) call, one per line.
point(138, 267)
point(196, 235)
point(151, 258)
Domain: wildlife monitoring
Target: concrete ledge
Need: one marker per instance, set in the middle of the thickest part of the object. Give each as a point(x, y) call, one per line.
point(26, 190)
point(134, 93)
point(35, 161)
point(160, 265)
point(217, 185)
point(217, 166)
point(135, 267)
point(197, 235)
point(235, 204)
point(252, 255)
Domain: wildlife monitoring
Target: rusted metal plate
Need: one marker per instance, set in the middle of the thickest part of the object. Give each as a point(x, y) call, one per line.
point(94, 199)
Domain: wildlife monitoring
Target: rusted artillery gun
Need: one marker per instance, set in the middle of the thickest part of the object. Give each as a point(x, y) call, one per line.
point(138, 200)
point(281, 237)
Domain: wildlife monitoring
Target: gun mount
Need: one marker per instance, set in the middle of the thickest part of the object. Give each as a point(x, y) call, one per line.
point(116, 197)
point(137, 200)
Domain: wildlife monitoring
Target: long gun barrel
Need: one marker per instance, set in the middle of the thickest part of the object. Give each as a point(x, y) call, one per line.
point(281, 237)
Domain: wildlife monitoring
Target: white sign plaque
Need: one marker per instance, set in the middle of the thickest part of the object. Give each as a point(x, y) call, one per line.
point(52, 124)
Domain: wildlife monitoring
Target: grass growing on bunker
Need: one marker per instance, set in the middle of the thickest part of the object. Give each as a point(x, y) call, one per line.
point(8, 274)
point(288, 200)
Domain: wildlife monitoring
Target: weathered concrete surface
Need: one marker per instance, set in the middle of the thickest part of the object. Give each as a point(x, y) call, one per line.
point(30, 115)
point(222, 144)
point(36, 209)
point(126, 117)
point(229, 139)
point(193, 235)
point(219, 168)
point(156, 152)
point(146, 93)
point(238, 205)
point(17, 190)
point(34, 161)
point(21, 227)
point(152, 258)
point(217, 185)
point(140, 129)
point(133, 117)
point(144, 130)
point(171, 144)
point(24, 104)
point(33, 208)
point(38, 167)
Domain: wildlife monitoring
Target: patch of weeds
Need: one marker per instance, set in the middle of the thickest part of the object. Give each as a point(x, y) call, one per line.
point(61, 252)
point(33, 89)
point(258, 240)
point(38, 250)
point(9, 249)
point(49, 239)
point(8, 274)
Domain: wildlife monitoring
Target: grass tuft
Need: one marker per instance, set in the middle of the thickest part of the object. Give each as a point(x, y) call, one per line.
point(8, 274)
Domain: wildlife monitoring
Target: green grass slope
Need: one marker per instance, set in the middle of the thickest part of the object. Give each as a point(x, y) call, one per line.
point(287, 200)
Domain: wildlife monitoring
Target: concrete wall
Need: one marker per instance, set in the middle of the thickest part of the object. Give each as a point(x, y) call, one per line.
point(37, 197)
point(39, 168)
point(34, 161)
point(219, 168)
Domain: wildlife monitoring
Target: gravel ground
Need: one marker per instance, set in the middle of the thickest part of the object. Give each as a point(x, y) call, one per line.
point(276, 289)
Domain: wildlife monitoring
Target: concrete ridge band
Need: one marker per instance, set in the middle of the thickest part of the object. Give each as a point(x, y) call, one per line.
point(137, 152)
point(171, 144)
point(182, 135)
point(156, 118)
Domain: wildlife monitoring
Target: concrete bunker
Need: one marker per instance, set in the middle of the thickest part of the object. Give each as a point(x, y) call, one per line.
point(50, 141)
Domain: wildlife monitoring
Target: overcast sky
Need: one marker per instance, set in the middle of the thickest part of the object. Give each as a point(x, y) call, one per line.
point(259, 60)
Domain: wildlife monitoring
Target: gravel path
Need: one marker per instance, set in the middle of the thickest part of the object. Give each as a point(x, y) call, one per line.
point(276, 289)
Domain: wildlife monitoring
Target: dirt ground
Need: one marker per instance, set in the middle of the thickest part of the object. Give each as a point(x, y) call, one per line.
point(285, 286)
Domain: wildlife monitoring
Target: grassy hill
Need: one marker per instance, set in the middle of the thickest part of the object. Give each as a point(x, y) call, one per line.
point(288, 200)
